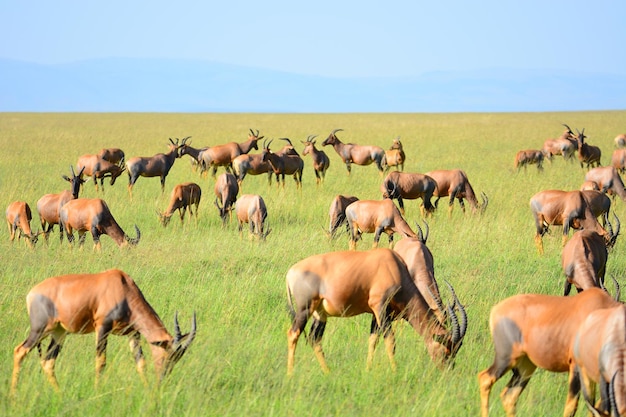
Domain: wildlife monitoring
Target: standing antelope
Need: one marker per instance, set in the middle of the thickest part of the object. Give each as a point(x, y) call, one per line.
point(375, 216)
point(106, 303)
point(194, 153)
point(92, 215)
point(618, 160)
point(564, 145)
point(454, 183)
point(337, 212)
point(183, 196)
point(599, 204)
point(608, 180)
point(251, 209)
point(158, 165)
point(395, 156)
point(535, 330)
point(321, 162)
point(98, 168)
point(223, 155)
point(49, 205)
point(377, 282)
point(620, 140)
point(284, 163)
point(113, 155)
point(411, 186)
point(252, 164)
point(528, 157)
point(226, 190)
point(357, 154)
point(587, 154)
point(18, 216)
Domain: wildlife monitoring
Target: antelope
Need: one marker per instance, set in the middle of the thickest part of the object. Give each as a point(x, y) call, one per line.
point(321, 162)
point(194, 153)
point(107, 302)
point(375, 216)
point(618, 160)
point(599, 204)
point(566, 208)
point(357, 154)
point(284, 164)
point(395, 155)
point(564, 145)
point(252, 164)
point(620, 140)
point(92, 215)
point(49, 205)
point(608, 180)
point(337, 212)
point(158, 165)
point(183, 196)
point(454, 183)
point(587, 154)
point(226, 190)
point(98, 168)
point(113, 155)
point(536, 330)
point(529, 157)
point(377, 282)
point(399, 185)
point(589, 185)
point(223, 155)
point(18, 216)
point(251, 209)
point(599, 356)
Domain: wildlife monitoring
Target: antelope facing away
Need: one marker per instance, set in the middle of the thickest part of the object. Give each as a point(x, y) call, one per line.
point(531, 331)
point(19, 215)
point(106, 303)
point(223, 155)
point(183, 196)
point(92, 215)
point(564, 145)
point(337, 212)
point(226, 190)
point(529, 157)
point(454, 183)
point(356, 154)
point(113, 155)
point(251, 209)
point(410, 186)
point(608, 181)
point(251, 164)
point(377, 282)
point(618, 160)
point(321, 162)
point(98, 168)
point(395, 156)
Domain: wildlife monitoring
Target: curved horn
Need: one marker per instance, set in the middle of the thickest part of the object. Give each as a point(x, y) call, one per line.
point(438, 302)
point(568, 128)
point(614, 410)
point(420, 235)
point(287, 140)
point(177, 334)
point(335, 131)
point(485, 199)
point(133, 241)
point(618, 290)
point(461, 310)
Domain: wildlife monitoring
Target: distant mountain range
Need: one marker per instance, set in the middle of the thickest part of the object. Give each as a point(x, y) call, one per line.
point(162, 85)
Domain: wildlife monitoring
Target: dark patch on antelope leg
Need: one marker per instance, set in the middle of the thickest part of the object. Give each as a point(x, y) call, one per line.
point(42, 309)
point(317, 331)
point(505, 335)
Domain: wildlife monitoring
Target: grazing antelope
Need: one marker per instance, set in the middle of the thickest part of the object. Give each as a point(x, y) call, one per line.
point(321, 162)
point(529, 157)
point(183, 196)
point(620, 140)
point(337, 213)
point(608, 180)
point(399, 185)
point(223, 155)
point(600, 358)
point(226, 190)
point(251, 209)
point(357, 154)
point(599, 204)
point(395, 156)
point(284, 163)
point(92, 215)
point(158, 165)
point(587, 154)
point(98, 168)
point(618, 160)
point(252, 164)
point(531, 331)
point(454, 183)
point(107, 302)
point(18, 216)
point(113, 155)
point(564, 145)
point(377, 282)
point(375, 216)
point(49, 205)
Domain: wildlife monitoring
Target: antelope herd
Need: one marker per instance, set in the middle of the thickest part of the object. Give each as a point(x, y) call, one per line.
point(528, 330)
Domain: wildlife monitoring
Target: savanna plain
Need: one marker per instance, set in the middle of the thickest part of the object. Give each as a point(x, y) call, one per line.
point(236, 285)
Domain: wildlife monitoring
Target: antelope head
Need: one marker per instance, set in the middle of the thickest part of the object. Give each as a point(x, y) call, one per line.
point(179, 346)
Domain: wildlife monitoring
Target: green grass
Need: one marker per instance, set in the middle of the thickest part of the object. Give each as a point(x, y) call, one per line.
point(237, 365)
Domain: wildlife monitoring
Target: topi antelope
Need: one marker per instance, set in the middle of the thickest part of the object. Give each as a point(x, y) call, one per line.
point(337, 213)
point(226, 190)
point(375, 216)
point(454, 183)
point(618, 160)
point(19, 215)
point(194, 153)
point(400, 185)
point(356, 154)
point(251, 209)
point(531, 331)
point(98, 168)
point(529, 157)
point(107, 302)
point(564, 145)
point(113, 155)
point(92, 215)
point(608, 180)
point(284, 162)
point(346, 284)
point(587, 154)
point(599, 204)
point(321, 162)
point(395, 156)
point(183, 196)
point(251, 164)
point(223, 155)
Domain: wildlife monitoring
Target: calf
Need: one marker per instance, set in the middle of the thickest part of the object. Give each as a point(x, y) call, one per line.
point(183, 196)
point(98, 168)
point(337, 212)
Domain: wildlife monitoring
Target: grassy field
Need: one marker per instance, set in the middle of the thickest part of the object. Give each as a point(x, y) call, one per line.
point(237, 365)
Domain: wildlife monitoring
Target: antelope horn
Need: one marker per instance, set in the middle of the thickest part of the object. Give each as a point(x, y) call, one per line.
point(420, 235)
point(612, 401)
point(311, 137)
point(287, 139)
point(177, 335)
point(335, 131)
point(461, 310)
point(485, 199)
point(438, 302)
point(192, 331)
point(72, 168)
point(133, 241)
point(568, 128)
point(456, 329)
point(618, 290)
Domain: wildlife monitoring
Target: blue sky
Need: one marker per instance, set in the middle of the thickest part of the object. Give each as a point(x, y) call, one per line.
point(328, 38)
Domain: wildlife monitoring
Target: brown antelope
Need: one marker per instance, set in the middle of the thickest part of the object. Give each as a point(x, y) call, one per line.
point(98, 168)
point(454, 183)
point(49, 205)
point(400, 185)
point(223, 155)
point(284, 163)
point(251, 209)
point(226, 190)
point(531, 331)
point(18, 216)
point(92, 215)
point(321, 162)
point(113, 155)
point(375, 216)
point(608, 180)
point(589, 185)
point(587, 154)
point(395, 156)
point(107, 302)
point(599, 358)
point(183, 196)
point(564, 145)
point(252, 164)
point(377, 282)
point(599, 204)
point(194, 153)
point(529, 157)
point(337, 213)
point(620, 140)
point(618, 160)
point(158, 165)
point(356, 154)
point(566, 208)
